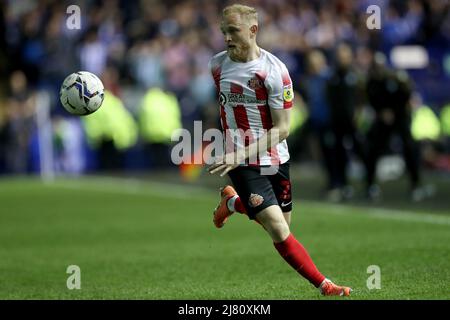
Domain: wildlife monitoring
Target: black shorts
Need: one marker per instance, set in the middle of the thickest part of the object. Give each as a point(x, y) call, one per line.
point(258, 191)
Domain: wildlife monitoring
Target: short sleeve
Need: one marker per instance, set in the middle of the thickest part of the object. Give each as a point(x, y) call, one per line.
point(279, 89)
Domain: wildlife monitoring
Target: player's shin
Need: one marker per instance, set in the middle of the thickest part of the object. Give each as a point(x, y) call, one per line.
point(298, 258)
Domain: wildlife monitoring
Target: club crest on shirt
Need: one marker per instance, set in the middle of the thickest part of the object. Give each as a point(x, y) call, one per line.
point(255, 83)
point(288, 94)
point(255, 200)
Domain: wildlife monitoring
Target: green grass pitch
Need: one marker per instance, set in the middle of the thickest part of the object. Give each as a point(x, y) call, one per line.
point(144, 240)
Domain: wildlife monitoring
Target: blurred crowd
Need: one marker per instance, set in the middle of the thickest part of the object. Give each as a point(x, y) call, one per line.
point(146, 51)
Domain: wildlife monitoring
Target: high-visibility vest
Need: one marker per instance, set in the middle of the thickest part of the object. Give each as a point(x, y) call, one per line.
point(159, 116)
point(425, 124)
point(299, 114)
point(111, 122)
point(445, 120)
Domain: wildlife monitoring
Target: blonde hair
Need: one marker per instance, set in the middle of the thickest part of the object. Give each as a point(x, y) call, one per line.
point(248, 14)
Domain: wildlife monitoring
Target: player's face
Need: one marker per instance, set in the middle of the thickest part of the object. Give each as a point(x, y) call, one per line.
point(237, 36)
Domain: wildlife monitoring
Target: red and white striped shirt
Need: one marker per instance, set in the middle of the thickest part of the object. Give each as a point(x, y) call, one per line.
point(247, 91)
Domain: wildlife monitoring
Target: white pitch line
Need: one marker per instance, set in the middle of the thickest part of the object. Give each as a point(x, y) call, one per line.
point(125, 186)
point(381, 213)
point(167, 190)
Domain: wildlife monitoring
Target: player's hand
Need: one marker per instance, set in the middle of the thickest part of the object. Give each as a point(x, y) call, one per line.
point(224, 164)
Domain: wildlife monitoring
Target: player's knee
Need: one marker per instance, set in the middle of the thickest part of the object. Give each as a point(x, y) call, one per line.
point(274, 222)
point(281, 232)
point(278, 229)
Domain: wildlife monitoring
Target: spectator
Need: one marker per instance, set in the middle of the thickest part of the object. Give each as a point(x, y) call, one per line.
point(112, 129)
point(389, 94)
point(159, 116)
point(344, 91)
point(19, 127)
point(314, 90)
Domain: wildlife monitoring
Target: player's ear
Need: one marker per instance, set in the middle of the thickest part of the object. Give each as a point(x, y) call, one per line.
point(254, 29)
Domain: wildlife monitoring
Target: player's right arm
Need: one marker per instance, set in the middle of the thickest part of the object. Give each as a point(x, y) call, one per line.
point(279, 132)
point(281, 119)
point(280, 100)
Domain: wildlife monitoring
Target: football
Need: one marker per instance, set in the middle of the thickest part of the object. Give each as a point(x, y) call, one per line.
point(81, 93)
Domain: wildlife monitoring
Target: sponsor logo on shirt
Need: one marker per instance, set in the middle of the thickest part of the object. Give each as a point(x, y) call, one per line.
point(222, 99)
point(240, 98)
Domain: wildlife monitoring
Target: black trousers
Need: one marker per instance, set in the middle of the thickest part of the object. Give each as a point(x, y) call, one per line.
point(109, 157)
point(346, 140)
point(378, 139)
